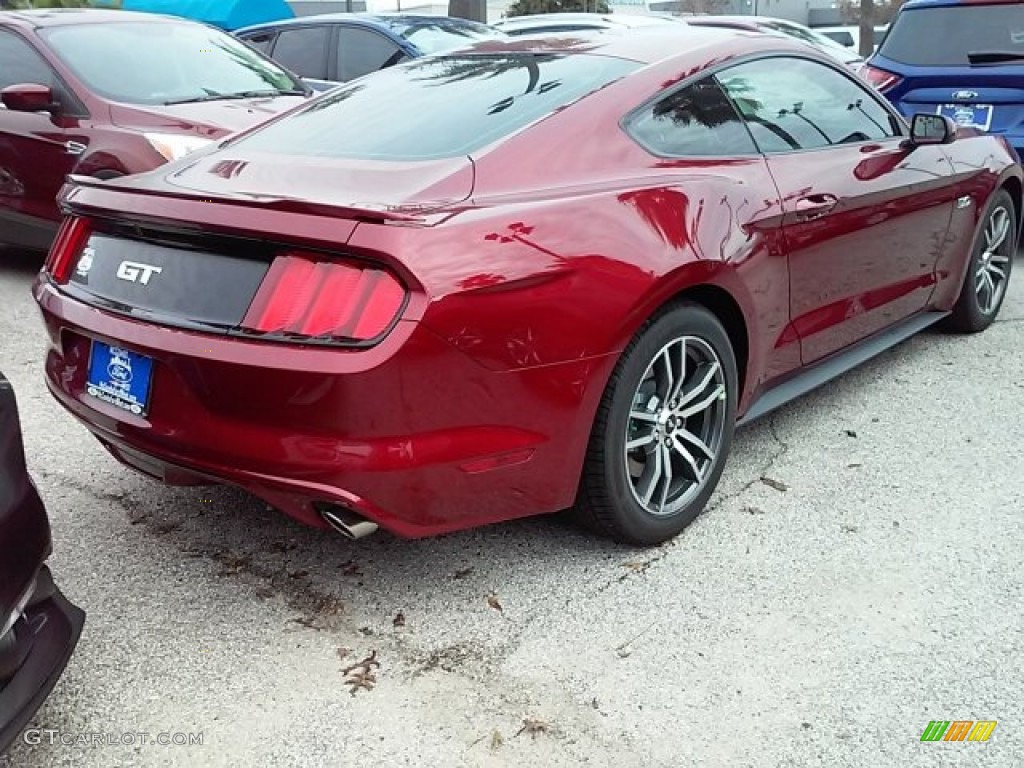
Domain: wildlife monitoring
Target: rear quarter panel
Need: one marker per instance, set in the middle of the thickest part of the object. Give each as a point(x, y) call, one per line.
point(529, 274)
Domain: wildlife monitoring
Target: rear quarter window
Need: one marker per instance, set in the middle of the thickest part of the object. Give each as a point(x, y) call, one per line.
point(942, 37)
point(393, 115)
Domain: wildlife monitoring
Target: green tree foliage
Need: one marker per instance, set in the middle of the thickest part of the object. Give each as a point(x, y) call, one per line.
point(529, 7)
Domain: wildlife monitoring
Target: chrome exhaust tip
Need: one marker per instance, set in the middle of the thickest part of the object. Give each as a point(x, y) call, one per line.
point(346, 522)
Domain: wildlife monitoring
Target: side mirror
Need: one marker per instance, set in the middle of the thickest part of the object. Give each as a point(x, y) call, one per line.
point(28, 97)
point(931, 129)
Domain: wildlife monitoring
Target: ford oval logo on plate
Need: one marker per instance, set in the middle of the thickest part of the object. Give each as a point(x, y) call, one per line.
point(965, 95)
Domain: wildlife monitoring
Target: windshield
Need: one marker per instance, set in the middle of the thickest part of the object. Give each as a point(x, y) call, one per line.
point(394, 114)
point(942, 37)
point(161, 62)
point(440, 37)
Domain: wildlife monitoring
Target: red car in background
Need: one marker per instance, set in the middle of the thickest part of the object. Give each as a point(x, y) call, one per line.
point(507, 281)
point(109, 93)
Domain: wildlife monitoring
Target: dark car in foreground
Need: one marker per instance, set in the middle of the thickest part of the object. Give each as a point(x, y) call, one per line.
point(333, 48)
point(565, 288)
point(109, 93)
point(960, 58)
point(39, 628)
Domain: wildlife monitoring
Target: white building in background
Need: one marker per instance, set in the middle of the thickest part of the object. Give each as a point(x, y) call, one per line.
point(801, 11)
point(495, 8)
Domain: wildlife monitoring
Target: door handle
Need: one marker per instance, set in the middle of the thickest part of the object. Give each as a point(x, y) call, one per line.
point(815, 206)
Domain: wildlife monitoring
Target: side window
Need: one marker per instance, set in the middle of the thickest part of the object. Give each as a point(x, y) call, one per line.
point(20, 63)
point(361, 51)
point(792, 104)
point(304, 51)
point(261, 41)
point(696, 121)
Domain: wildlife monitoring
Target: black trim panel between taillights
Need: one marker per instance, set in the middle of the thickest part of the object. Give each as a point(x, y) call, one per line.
point(229, 286)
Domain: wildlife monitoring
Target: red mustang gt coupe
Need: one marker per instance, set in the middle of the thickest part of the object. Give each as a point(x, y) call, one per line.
point(535, 275)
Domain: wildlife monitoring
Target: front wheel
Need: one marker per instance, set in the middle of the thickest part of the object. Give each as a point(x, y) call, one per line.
point(988, 270)
point(663, 430)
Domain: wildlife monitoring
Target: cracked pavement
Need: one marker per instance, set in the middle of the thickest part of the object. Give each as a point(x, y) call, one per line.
point(857, 574)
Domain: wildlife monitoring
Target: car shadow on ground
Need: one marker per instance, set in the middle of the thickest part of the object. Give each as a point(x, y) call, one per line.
point(16, 261)
point(320, 574)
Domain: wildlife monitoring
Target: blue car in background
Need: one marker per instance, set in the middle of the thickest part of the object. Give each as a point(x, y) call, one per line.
point(333, 48)
point(962, 59)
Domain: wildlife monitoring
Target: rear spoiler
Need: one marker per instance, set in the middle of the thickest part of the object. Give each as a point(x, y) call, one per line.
point(110, 194)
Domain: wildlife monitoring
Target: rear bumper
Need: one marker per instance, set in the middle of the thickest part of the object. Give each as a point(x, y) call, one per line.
point(52, 625)
point(412, 434)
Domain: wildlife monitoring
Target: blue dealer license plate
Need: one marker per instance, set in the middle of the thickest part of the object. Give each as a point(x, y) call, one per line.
point(119, 377)
point(969, 115)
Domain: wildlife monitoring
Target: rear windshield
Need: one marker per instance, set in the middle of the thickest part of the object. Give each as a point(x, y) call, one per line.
point(942, 37)
point(436, 107)
point(164, 62)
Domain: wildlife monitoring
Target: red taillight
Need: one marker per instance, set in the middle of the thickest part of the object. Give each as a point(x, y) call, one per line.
point(71, 239)
point(879, 78)
point(313, 297)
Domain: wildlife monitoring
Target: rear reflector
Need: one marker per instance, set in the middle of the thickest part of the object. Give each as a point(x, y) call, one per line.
point(879, 78)
point(71, 239)
point(310, 296)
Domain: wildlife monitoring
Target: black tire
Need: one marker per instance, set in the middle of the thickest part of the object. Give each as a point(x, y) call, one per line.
point(610, 495)
point(107, 174)
point(975, 309)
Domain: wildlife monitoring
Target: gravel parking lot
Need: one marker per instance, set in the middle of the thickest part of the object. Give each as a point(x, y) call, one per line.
point(823, 617)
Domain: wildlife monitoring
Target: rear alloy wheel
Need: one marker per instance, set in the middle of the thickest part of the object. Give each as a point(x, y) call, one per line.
point(663, 429)
point(988, 271)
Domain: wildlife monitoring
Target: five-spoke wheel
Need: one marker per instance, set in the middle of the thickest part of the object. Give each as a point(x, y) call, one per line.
point(992, 269)
point(988, 271)
point(663, 429)
point(675, 427)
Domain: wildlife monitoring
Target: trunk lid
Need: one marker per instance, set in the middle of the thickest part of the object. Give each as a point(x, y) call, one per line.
point(964, 60)
point(991, 99)
point(210, 119)
point(233, 173)
point(209, 243)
